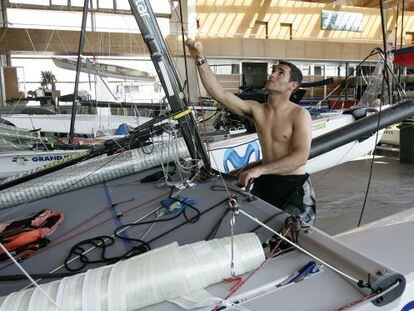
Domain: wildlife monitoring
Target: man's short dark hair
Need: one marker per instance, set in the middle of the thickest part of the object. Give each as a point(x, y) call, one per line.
point(295, 73)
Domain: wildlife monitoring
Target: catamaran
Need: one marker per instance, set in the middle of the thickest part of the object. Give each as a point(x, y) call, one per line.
point(187, 238)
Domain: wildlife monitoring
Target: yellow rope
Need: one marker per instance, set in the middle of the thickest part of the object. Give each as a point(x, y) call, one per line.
point(181, 114)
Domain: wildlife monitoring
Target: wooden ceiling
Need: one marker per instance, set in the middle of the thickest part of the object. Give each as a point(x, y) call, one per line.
point(408, 4)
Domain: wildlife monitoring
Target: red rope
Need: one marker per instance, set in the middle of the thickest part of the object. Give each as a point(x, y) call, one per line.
point(354, 303)
point(54, 243)
point(240, 281)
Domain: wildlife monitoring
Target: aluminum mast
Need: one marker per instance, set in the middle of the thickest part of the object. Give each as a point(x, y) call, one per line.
point(163, 64)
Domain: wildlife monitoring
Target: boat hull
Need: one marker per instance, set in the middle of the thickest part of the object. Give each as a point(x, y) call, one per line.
point(93, 125)
point(21, 161)
point(231, 154)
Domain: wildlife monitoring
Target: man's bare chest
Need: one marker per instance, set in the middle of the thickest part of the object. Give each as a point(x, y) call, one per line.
point(277, 128)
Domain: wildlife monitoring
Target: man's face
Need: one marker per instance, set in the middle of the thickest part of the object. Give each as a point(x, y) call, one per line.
point(279, 79)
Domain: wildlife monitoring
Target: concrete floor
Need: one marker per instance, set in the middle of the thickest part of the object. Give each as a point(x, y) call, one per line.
point(340, 192)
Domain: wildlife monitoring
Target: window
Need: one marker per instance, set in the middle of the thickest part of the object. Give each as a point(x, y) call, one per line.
point(77, 3)
point(59, 2)
point(285, 31)
point(305, 69)
point(260, 30)
point(254, 74)
point(38, 2)
point(159, 6)
point(409, 37)
point(332, 71)
point(225, 68)
point(318, 71)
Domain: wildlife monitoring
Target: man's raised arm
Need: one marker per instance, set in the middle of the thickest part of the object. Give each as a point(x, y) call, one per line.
point(212, 85)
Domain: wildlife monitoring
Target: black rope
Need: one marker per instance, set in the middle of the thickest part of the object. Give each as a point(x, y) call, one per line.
point(184, 223)
point(140, 246)
point(103, 242)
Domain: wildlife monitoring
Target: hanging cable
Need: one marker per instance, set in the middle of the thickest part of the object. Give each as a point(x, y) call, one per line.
point(386, 75)
point(28, 276)
point(184, 51)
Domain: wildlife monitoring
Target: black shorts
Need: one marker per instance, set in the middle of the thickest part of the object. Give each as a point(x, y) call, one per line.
point(291, 193)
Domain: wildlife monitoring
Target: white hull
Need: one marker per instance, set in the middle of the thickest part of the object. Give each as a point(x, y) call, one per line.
point(225, 155)
point(324, 290)
point(231, 154)
point(391, 136)
point(105, 70)
point(84, 125)
point(20, 161)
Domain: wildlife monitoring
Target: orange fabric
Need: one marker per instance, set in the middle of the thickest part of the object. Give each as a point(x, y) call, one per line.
point(22, 239)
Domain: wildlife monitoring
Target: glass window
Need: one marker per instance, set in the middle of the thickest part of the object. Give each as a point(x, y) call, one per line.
point(39, 2)
point(161, 6)
point(25, 18)
point(106, 4)
point(318, 71)
point(59, 2)
point(42, 19)
point(122, 5)
point(305, 69)
point(227, 69)
point(331, 71)
point(342, 70)
point(77, 2)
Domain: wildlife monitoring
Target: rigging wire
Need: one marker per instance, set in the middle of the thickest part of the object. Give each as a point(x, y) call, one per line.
point(183, 35)
point(347, 79)
point(272, 231)
point(28, 276)
point(195, 218)
point(299, 247)
point(17, 5)
point(386, 70)
point(286, 240)
point(294, 244)
point(184, 51)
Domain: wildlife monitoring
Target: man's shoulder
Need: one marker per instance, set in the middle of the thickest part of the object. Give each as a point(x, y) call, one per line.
point(254, 105)
point(299, 113)
point(298, 109)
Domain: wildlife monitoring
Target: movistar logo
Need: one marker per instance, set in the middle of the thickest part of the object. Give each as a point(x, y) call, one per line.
point(408, 306)
point(142, 8)
point(238, 161)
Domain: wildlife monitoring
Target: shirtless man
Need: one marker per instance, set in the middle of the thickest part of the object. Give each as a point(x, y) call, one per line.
point(285, 133)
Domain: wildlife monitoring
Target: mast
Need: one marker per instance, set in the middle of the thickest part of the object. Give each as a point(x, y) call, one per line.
point(78, 68)
point(164, 66)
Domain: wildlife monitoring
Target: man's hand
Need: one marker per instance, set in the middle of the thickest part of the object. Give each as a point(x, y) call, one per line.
point(236, 173)
point(195, 48)
point(249, 166)
point(245, 176)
